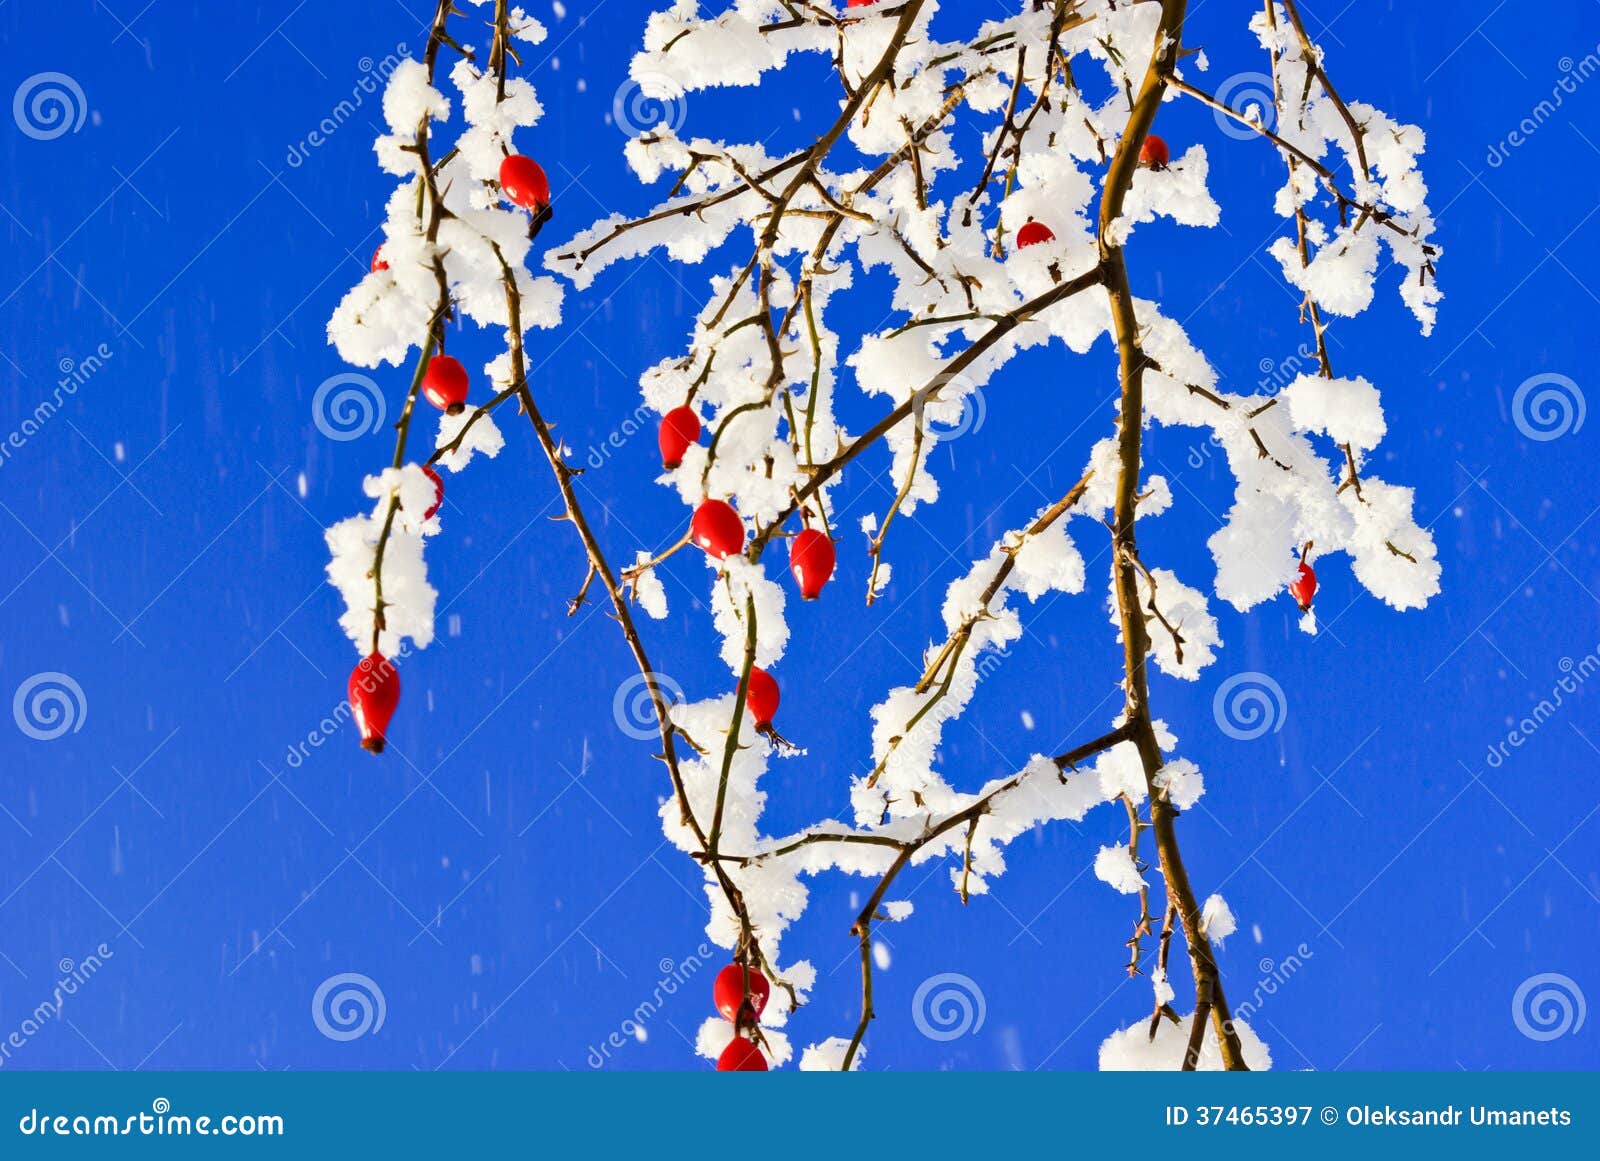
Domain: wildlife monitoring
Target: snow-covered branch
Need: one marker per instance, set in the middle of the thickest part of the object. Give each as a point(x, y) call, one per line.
point(970, 161)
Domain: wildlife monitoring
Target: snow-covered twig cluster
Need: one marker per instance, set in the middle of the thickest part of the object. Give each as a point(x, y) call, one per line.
point(990, 254)
point(447, 240)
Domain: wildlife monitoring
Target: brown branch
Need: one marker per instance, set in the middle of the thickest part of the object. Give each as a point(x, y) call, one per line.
point(1007, 323)
point(1136, 643)
point(950, 652)
point(437, 36)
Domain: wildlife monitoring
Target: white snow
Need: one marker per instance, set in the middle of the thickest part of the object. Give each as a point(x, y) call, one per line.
point(1115, 867)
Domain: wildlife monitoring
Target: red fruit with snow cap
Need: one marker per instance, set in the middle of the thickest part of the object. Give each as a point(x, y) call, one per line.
point(524, 182)
point(716, 527)
point(445, 384)
point(741, 1056)
point(1154, 153)
point(811, 560)
point(680, 429)
point(1304, 587)
point(761, 699)
point(374, 694)
point(438, 491)
point(378, 262)
point(729, 991)
point(1032, 233)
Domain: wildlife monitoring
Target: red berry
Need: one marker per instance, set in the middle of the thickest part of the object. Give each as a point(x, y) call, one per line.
point(1154, 152)
point(859, 3)
point(1304, 587)
point(377, 259)
point(728, 992)
point(680, 428)
point(445, 384)
point(1032, 233)
point(374, 694)
point(811, 560)
point(762, 697)
point(524, 182)
point(716, 527)
point(438, 491)
point(741, 1056)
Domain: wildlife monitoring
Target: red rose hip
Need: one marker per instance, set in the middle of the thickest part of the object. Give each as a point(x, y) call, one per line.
point(445, 384)
point(741, 1056)
point(378, 262)
point(680, 428)
point(1304, 587)
point(716, 527)
point(1032, 233)
point(811, 560)
point(728, 992)
point(524, 182)
point(1154, 152)
point(374, 694)
point(762, 697)
point(438, 491)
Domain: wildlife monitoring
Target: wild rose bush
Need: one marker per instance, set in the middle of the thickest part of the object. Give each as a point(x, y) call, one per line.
point(1023, 243)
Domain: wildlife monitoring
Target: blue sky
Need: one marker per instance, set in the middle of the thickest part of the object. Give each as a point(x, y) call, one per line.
point(503, 882)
